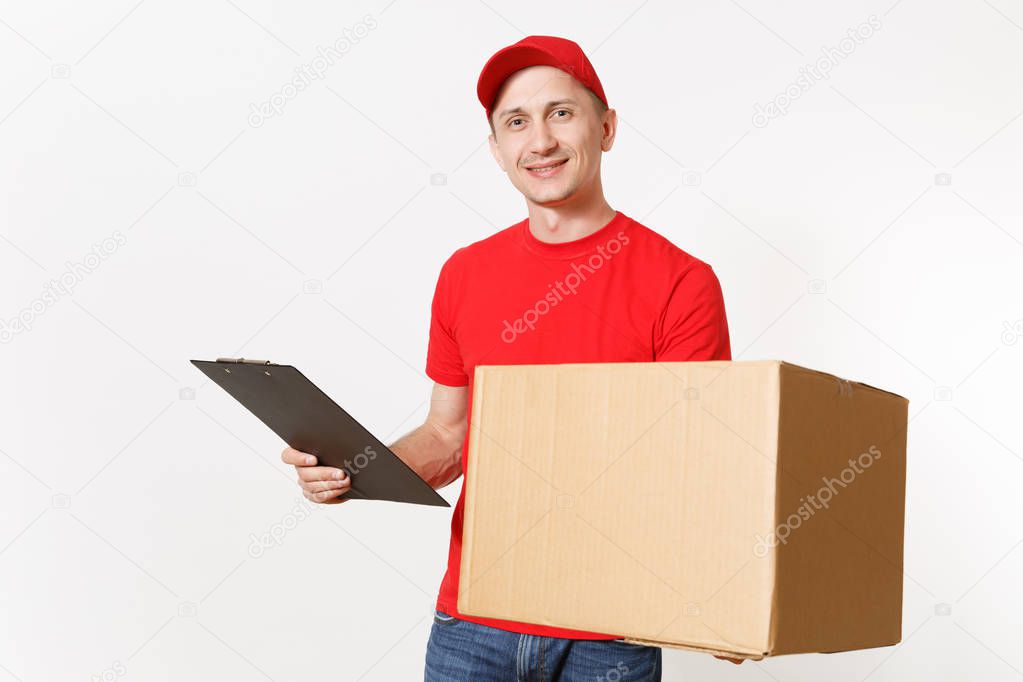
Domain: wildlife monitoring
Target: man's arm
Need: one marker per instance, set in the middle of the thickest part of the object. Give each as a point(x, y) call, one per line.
point(434, 450)
point(693, 325)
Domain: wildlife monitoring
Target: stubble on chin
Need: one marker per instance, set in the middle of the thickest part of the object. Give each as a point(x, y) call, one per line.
point(546, 195)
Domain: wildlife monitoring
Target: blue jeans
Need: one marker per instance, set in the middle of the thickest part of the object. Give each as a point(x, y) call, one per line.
point(461, 651)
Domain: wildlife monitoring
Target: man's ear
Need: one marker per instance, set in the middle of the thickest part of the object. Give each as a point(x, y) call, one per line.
point(494, 151)
point(608, 128)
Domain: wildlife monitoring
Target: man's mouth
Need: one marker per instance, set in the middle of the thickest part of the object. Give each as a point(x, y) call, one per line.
point(546, 170)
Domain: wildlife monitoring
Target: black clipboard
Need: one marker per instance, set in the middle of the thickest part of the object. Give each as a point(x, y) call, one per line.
point(308, 420)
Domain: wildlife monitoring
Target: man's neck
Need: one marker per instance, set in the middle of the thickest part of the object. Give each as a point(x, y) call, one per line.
point(565, 224)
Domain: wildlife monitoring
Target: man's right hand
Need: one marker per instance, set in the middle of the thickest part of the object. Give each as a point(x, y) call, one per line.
point(319, 484)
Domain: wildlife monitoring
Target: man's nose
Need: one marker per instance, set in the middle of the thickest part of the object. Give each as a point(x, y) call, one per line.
point(542, 141)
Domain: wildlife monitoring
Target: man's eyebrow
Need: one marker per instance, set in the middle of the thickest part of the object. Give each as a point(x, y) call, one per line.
point(552, 103)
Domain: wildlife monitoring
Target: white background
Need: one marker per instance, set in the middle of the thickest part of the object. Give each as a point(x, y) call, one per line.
point(131, 487)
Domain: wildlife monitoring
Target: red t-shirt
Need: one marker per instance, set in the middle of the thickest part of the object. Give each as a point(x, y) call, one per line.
point(621, 294)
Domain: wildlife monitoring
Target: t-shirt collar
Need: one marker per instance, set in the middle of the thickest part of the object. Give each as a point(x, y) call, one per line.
point(575, 247)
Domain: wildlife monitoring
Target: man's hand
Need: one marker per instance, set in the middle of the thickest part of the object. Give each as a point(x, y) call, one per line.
point(319, 484)
point(736, 661)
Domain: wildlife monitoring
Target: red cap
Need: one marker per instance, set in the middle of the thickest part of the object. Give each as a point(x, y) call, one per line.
point(533, 51)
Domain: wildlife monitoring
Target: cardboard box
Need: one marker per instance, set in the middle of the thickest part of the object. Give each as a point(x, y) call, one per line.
point(748, 509)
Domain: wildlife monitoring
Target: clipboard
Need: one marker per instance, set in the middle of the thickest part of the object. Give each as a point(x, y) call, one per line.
point(308, 420)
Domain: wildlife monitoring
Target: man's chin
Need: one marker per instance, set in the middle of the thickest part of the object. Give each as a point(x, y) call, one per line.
point(550, 196)
point(548, 201)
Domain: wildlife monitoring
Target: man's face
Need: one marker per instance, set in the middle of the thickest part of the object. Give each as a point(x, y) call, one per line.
point(548, 135)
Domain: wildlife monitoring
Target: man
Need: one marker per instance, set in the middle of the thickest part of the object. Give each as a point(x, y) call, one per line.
point(576, 281)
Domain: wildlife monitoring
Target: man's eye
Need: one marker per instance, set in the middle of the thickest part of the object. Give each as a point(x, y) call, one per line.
point(562, 111)
point(513, 121)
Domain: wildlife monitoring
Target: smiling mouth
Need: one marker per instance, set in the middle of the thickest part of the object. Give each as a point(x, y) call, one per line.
point(546, 171)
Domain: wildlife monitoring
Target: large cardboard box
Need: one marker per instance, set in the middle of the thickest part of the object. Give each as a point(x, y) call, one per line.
point(750, 508)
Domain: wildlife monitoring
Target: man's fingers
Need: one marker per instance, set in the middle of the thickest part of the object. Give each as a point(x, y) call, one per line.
point(325, 496)
point(297, 457)
point(321, 486)
point(321, 474)
point(736, 661)
point(336, 500)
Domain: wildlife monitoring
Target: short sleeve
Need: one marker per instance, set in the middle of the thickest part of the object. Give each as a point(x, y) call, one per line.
point(693, 325)
point(444, 362)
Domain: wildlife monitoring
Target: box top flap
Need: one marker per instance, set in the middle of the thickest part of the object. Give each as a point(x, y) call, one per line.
point(800, 368)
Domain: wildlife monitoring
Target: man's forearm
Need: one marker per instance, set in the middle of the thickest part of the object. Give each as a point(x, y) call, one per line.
point(433, 453)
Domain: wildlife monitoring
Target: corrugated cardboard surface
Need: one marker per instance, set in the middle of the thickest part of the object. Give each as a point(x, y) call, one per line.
point(839, 580)
point(628, 498)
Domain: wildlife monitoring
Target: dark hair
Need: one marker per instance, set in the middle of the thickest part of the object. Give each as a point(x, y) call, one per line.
point(597, 102)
